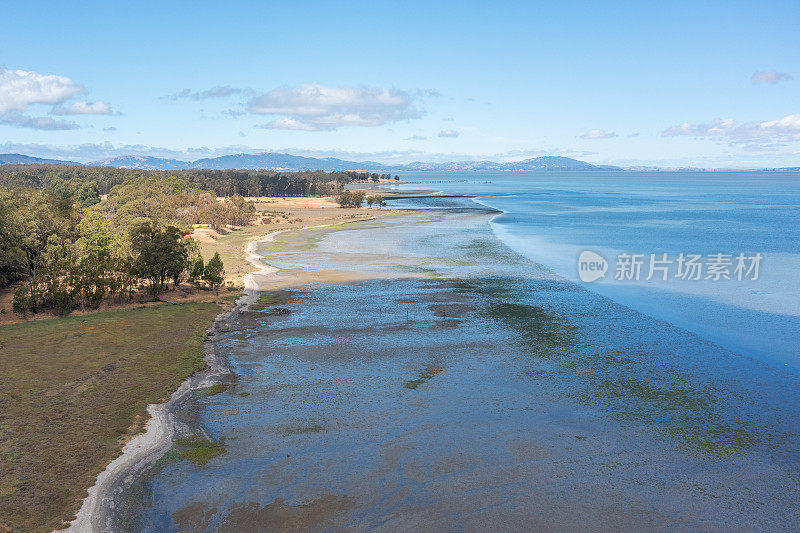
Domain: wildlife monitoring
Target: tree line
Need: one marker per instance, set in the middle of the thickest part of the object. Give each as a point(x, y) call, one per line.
point(377, 177)
point(72, 236)
point(86, 184)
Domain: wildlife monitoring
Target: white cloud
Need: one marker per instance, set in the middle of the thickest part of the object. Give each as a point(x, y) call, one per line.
point(314, 107)
point(287, 124)
point(598, 134)
point(220, 91)
point(84, 108)
point(448, 133)
point(417, 138)
point(714, 128)
point(20, 89)
point(785, 129)
point(19, 120)
point(770, 76)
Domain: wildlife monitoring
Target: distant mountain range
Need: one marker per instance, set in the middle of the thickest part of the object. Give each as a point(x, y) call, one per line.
point(144, 162)
point(17, 159)
point(548, 162)
point(276, 161)
point(287, 162)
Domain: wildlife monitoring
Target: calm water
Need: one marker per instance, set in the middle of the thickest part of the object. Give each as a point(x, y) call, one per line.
point(465, 387)
point(551, 218)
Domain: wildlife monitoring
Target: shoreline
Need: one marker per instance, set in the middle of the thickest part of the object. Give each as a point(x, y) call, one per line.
point(144, 449)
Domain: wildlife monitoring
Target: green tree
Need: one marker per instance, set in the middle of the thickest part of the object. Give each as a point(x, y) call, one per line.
point(35, 217)
point(214, 271)
point(357, 198)
point(345, 199)
point(95, 260)
point(197, 269)
point(158, 254)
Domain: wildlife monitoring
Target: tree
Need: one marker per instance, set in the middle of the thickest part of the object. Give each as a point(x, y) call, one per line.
point(357, 198)
point(370, 200)
point(213, 272)
point(159, 254)
point(29, 226)
point(345, 198)
point(94, 257)
point(349, 198)
point(197, 269)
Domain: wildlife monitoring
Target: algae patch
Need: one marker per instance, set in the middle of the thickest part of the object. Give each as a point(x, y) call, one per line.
point(264, 301)
point(426, 374)
point(212, 390)
point(198, 449)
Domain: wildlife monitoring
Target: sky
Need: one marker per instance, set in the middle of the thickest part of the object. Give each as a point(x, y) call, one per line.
point(712, 84)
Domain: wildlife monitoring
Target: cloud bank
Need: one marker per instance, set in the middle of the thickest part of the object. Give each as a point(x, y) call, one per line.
point(786, 129)
point(19, 120)
point(314, 107)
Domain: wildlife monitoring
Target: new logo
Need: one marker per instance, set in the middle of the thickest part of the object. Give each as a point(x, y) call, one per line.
point(591, 266)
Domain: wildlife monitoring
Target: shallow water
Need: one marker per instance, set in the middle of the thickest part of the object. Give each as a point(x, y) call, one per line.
point(552, 217)
point(469, 388)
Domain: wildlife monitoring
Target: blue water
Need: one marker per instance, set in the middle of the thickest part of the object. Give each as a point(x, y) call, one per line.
point(552, 217)
point(454, 385)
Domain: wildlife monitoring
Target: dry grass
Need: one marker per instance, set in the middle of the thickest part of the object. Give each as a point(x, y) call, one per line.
point(73, 389)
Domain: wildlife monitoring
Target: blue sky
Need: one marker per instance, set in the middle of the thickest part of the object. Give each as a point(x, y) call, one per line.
point(712, 84)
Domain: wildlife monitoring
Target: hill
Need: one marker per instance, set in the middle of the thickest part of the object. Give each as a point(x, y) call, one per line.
point(276, 161)
point(296, 163)
point(142, 162)
point(549, 162)
point(19, 159)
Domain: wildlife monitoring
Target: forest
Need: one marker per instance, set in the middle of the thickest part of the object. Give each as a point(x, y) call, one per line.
point(86, 184)
point(71, 237)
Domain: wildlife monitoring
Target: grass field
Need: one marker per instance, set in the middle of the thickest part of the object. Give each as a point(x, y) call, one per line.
point(73, 389)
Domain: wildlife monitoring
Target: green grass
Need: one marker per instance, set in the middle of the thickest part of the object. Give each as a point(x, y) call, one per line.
point(71, 388)
point(199, 450)
point(212, 390)
point(264, 301)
